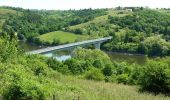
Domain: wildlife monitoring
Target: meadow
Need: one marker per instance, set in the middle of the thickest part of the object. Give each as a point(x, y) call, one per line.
point(62, 37)
point(94, 90)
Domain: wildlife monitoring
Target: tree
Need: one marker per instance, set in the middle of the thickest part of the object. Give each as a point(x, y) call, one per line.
point(155, 77)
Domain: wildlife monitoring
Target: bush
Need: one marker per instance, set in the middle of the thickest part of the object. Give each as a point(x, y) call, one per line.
point(111, 78)
point(122, 68)
point(94, 74)
point(75, 66)
point(155, 77)
point(22, 84)
point(134, 77)
point(98, 64)
point(53, 63)
point(107, 71)
point(123, 78)
point(56, 42)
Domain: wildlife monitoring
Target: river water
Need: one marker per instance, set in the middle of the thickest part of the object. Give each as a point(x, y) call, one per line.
point(63, 55)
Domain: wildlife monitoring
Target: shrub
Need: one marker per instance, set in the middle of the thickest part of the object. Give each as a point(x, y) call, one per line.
point(53, 63)
point(107, 71)
point(94, 74)
point(56, 42)
point(122, 68)
point(22, 84)
point(155, 77)
point(98, 64)
point(111, 78)
point(75, 66)
point(134, 77)
point(123, 78)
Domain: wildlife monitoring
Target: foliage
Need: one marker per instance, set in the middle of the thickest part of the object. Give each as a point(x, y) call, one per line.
point(94, 74)
point(24, 76)
point(31, 23)
point(155, 77)
point(108, 70)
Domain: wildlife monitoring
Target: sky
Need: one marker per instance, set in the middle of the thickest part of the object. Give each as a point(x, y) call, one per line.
point(81, 4)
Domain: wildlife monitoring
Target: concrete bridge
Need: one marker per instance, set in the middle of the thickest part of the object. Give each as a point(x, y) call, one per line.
point(95, 42)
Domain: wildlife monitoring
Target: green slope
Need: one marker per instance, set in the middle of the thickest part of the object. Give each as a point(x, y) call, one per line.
point(93, 90)
point(63, 37)
point(4, 14)
point(102, 19)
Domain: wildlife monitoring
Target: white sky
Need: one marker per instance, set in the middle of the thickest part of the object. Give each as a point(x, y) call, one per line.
point(80, 4)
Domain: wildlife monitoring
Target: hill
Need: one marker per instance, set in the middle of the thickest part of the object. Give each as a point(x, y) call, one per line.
point(40, 78)
point(93, 90)
point(102, 19)
point(60, 37)
point(4, 15)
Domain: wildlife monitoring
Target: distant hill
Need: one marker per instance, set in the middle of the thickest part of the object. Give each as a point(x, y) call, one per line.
point(5, 13)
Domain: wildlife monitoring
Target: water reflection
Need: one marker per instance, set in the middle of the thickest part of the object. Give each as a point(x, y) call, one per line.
point(130, 58)
point(59, 55)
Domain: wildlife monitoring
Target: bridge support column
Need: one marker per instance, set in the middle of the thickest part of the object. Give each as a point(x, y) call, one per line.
point(97, 45)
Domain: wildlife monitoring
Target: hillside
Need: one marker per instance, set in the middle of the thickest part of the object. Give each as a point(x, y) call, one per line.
point(102, 19)
point(60, 37)
point(93, 90)
point(88, 74)
point(5, 13)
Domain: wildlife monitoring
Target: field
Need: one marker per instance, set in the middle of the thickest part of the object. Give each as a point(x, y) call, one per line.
point(93, 90)
point(63, 37)
point(4, 11)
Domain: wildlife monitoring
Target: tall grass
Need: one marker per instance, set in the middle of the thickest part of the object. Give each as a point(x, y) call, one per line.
point(94, 90)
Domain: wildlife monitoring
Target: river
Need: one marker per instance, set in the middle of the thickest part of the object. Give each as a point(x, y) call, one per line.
point(115, 56)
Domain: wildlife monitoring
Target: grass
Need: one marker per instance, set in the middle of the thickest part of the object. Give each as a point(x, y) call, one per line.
point(1, 23)
point(63, 37)
point(93, 90)
point(4, 11)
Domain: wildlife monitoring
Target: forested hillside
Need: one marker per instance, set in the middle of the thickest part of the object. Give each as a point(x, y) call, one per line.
point(89, 74)
point(31, 23)
point(132, 30)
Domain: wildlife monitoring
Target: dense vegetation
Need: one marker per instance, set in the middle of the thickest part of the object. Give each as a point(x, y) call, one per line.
point(31, 23)
point(132, 31)
point(145, 32)
point(34, 77)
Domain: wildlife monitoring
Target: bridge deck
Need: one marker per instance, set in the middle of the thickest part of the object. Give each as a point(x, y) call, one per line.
point(68, 45)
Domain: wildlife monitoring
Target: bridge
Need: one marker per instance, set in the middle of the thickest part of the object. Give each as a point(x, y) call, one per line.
point(95, 42)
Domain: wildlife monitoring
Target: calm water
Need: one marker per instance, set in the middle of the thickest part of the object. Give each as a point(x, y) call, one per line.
point(63, 55)
point(59, 55)
point(130, 58)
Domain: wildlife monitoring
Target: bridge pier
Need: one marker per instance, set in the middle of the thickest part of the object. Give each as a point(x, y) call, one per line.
point(97, 45)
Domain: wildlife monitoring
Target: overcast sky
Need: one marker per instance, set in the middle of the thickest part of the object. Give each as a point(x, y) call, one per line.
point(80, 4)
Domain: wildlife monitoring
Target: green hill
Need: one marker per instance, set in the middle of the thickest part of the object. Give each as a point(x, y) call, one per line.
point(61, 37)
point(5, 13)
point(94, 90)
point(102, 19)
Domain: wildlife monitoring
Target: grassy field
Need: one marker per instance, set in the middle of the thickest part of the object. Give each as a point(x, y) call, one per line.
point(92, 90)
point(63, 37)
point(4, 11)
